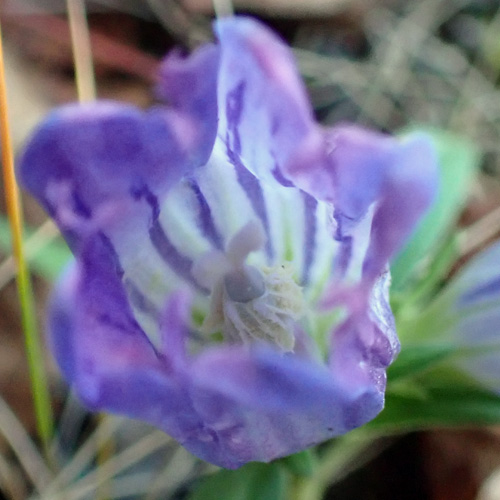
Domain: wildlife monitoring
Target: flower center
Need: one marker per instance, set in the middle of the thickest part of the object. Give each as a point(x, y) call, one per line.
point(249, 304)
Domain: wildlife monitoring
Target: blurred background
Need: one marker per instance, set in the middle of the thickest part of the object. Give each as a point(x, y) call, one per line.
point(388, 64)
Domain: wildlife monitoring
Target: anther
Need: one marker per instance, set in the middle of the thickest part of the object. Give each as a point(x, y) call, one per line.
point(244, 284)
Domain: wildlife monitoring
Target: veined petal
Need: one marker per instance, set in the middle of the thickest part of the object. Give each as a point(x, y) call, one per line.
point(265, 405)
point(409, 188)
point(353, 169)
point(106, 168)
point(468, 314)
point(368, 177)
point(228, 406)
point(479, 281)
point(105, 355)
point(235, 193)
point(364, 345)
point(189, 85)
point(264, 115)
point(259, 90)
point(93, 151)
point(265, 379)
point(85, 156)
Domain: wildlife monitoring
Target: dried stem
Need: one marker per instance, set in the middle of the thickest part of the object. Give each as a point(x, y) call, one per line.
point(82, 50)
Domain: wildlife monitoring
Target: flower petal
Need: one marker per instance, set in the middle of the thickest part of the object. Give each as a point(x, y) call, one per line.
point(105, 355)
point(264, 115)
point(265, 405)
point(85, 156)
point(141, 196)
point(364, 345)
point(90, 318)
point(229, 406)
point(467, 315)
point(189, 86)
point(379, 187)
point(265, 110)
point(362, 174)
point(107, 167)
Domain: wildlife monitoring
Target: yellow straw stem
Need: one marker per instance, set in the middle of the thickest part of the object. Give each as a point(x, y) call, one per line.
point(223, 8)
point(34, 351)
point(86, 90)
point(82, 50)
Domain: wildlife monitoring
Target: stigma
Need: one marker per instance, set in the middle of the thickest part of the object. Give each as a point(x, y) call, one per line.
point(249, 304)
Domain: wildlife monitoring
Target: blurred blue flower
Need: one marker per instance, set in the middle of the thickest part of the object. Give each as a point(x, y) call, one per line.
point(466, 317)
point(231, 279)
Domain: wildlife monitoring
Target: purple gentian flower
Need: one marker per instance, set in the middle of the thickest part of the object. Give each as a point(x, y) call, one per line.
point(466, 316)
point(231, 275)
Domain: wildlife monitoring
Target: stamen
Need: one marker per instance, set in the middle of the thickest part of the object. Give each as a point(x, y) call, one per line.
point(209, 267)
point(248, 239)
point(249, 304)
point(270, 317)
point(244, 284)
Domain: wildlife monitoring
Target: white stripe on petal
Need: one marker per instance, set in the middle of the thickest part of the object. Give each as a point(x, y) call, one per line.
point(292, 208)
point(325, 249)
point(179, 216)
point(230, 206)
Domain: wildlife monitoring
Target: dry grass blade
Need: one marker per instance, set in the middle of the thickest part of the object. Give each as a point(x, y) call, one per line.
point(393, 70)
point(131, 485)
point(82, 50)
point(82, 458)
point(114, 466)
point(180, 468)
point(411, 75)
point(223, 8)
point(176, 21)
point(480, 233)
point(21, 444)
point(12, 483)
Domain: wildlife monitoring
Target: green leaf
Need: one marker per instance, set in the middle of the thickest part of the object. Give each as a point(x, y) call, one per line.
point(300, 464)
point(436, 272)
point(415, 359)
point(458, 162)
point(48, 260)
point(407, 388)
point(254, 481)
point(446, 397)
point(443, 407)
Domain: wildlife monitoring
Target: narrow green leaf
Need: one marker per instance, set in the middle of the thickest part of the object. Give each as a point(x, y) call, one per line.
point(458, 162)
point(415, 359)
point(48, 261)
point(300, 464)
point(443, 407)
point(407, 388)
point(446, 397)
point(437, 270)
point(254, 481)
